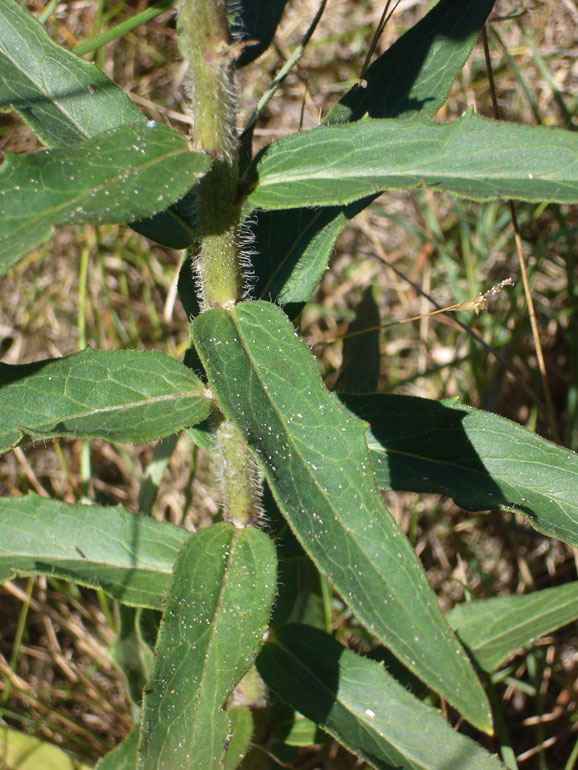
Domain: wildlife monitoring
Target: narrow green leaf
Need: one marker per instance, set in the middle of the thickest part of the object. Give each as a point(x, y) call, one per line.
point(65, 100)
point(175, 227)
point(293, 247)
point(318, 467)
point(362, 706)
point(480, 460)
point(242, 732)
point(122, 29)
point(413, 78)
point(154, 473)
point(126, 395)
point(473, 157)
point(217, 611)
point(410, 80)
point(123, 757)
point(131, 653)
point(130, 557)
point(114, 177)
point(297, 730)
point(300, 598)
point(493, 629)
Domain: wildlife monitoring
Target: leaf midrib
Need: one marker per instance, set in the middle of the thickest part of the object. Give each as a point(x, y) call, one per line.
point(380, 450)
point(38, 85)
point(49, 215)
point(349, 533)
point(489, 641)
point(125, 407)
point(198, 696)
point(335, 695)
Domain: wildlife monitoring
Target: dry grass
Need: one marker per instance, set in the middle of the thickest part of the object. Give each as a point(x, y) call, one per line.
point(60, 682)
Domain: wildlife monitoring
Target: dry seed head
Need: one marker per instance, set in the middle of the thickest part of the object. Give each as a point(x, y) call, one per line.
point(480, 301)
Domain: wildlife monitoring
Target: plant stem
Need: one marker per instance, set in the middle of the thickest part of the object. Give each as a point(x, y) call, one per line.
point(239, 476)
point(204, 41)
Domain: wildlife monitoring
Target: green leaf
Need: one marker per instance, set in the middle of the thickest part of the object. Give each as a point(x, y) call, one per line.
point(362, 706)
point(480, 460)
point(493, 629)
point(65, 100)
point(410, 80)
point(301, 596)
point(175, 227)
point(19, 751)
point(413, 78)
point(473, 157)
point(292, 250)
point(130, 652)
point(300, 731)
point(123, 757)
point(126, 395)
point(130, 557)
point(114, 177)
point(123, 28)
point(242, 732)
point(254, 23)
point(217, 611)
point(318, 468)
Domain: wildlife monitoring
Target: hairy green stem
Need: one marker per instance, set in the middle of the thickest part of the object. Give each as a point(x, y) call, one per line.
point(239, 476)
point(204, 41)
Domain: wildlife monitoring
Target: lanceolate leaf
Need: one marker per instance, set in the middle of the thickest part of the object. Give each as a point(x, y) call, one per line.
point(130, 557)
point(131, 652)
point(478, 459)
point(493, 629)
point(317, 465)
point(410, 80)
point(65, 100)
point(121, 175)
point(217, 611)
point(362, 706)
point(473, 157)
point(127, 396)
point(293, 247)
point(413, 78)
point(242, 731)
point(301, 597)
